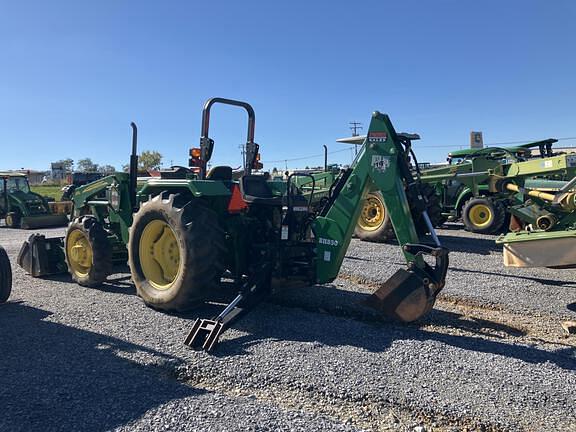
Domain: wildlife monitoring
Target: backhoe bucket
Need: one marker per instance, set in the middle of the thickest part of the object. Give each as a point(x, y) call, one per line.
point(410, 294)
point(404, 297)
point(40, 256)
point(44, 221)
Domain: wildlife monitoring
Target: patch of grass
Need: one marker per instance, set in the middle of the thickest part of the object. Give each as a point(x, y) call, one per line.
point(53, 191)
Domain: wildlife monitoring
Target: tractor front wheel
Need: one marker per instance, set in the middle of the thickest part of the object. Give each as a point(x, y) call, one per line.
point(5, 276)
point(374, 223)
point(13, 220)
point(174, 252)
point(483, 215)
point(88, 252)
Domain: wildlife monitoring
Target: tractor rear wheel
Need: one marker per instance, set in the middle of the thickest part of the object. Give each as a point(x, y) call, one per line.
point(5, 276)
point(374, 224)
point(88, 252)
point(13, 220)
point(175, 252)
point(483, 215)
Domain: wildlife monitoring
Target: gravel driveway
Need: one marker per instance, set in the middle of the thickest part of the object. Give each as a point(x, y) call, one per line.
point(491, 356)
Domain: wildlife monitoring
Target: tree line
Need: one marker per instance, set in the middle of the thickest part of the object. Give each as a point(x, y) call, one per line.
point(147, 160)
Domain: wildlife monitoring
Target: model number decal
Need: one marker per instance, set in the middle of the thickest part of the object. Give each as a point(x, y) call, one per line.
point(380, 163)
point(377, 136)
point(328, 242)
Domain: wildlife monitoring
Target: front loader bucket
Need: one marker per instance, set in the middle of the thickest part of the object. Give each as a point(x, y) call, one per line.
point(40, 256)
point(404, 297)
point(44, 221)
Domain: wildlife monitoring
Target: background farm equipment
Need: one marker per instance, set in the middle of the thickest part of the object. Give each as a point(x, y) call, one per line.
point(543, 227)
point(465, 190)
point(187, 229)
point(22, 208)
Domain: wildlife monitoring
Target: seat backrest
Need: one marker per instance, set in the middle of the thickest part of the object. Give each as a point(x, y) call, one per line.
point(255, 186)
point(220, 172)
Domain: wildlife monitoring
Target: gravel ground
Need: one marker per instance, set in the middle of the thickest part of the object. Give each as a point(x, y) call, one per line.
point(491, 356)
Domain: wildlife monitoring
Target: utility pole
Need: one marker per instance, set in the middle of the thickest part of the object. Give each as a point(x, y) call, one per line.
point(243, 151)
point(354, 126)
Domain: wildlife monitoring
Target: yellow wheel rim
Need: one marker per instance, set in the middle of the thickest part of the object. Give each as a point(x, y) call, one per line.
point(480, 215)
point(79, 253)
point(159, 254)
point(9, 220)
point(373, 214)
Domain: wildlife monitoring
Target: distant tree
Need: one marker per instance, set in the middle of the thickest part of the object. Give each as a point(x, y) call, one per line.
point(106, 169)
point(150, 159)
point(86, 165)
point(68, 164)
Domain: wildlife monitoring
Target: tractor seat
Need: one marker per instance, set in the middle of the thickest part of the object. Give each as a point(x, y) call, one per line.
point(175, 172)
point(223, 173)
point(256, 190)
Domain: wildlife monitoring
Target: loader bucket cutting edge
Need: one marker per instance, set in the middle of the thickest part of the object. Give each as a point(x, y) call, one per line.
point(45, 221)
point(404, 297)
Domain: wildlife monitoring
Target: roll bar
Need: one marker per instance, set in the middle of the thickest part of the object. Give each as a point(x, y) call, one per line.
point(207, 144)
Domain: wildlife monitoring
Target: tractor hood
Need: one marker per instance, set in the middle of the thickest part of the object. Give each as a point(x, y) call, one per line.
point(27, 202)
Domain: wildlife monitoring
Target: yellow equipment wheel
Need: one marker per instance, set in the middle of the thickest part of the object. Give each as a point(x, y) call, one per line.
point(88, 252)
point(484, 215)
point(374, 223)
point(373, 214)
point(13, 220)
point(175, 252)
point(79, 252)
point(480, 215)
point(159, 254)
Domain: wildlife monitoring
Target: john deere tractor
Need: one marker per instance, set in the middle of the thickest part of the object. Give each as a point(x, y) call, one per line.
point(196, 231)
point(22, 208)
point(463, 186)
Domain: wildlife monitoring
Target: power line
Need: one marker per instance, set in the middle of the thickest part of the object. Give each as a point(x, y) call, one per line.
point(354, 126)
point(304, 157)
point(423, 147)
point(496, 143)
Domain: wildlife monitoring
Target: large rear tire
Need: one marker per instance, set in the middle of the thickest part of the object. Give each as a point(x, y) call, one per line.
point(374, 224)
point(5, 276)
point(175, 252)
point(88, 252)
point(483, 215)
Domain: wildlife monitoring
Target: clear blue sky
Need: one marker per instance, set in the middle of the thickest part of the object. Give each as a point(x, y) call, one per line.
point(73, 74)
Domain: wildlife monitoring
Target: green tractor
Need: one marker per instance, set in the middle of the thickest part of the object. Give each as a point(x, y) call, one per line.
point(194, 231)
point(467, 196)
point(22, 208)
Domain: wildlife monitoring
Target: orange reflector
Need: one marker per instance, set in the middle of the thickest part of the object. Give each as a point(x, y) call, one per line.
point(236, 204)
